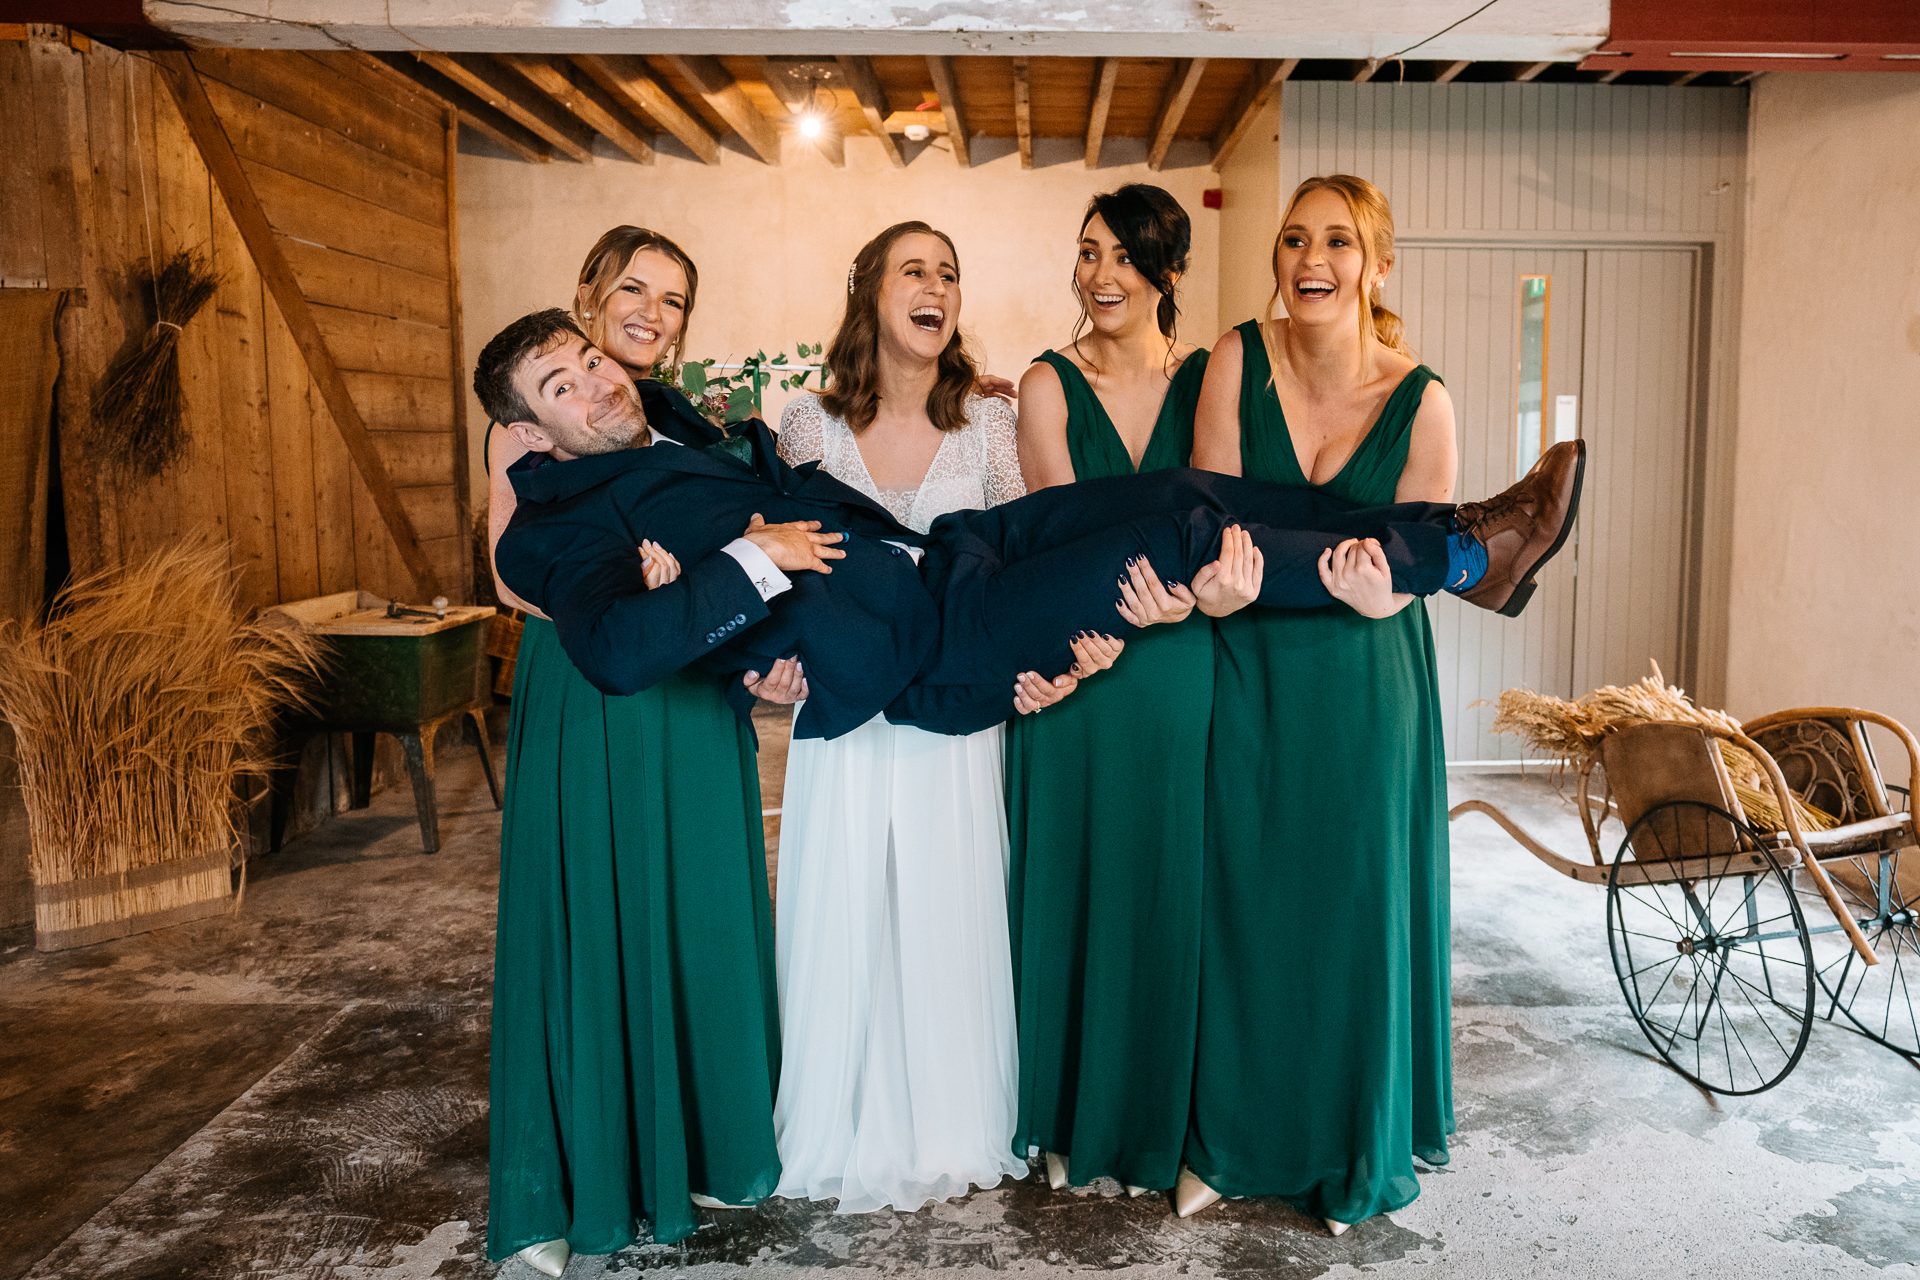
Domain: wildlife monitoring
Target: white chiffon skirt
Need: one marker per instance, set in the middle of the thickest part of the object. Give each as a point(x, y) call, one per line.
point(899, 1058)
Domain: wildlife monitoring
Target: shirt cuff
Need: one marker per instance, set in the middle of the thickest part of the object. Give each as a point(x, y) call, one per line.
point(765, 575)
point(915, 552)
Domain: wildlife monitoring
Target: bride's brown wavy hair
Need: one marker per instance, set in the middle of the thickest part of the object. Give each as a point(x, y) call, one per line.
point(853, 356)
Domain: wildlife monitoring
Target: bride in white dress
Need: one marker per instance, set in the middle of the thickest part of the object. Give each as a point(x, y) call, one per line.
point(899, 1058)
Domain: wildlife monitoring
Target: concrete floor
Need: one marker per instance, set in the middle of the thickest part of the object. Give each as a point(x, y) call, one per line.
point(299, 1091)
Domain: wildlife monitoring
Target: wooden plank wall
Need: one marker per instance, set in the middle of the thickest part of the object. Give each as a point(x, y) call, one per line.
point(352, 165)
point(1564, 165)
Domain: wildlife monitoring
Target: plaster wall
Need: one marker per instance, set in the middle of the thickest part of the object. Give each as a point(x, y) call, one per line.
point(1521, 30)
point(1250, 218)
point(1825, 553)
point(773, 244)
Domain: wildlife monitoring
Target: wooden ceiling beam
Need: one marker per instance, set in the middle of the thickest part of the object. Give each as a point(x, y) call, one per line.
point(867, 91)
point(1451, 70)
point(1104, 81)
point(1365, 73)
point(509, 94)
point(1611, 76)
point(1267, 77)
point(631, 82)
point(1173, 108)
point(1023, 112)
point(474, 113)
point(947, 90)
point(586, 101)
point(716, 84)
point(1687, 78)
point(1531, 71)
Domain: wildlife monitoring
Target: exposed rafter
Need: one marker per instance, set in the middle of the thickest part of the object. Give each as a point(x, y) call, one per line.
point(629, 79)
point(1451, 70)
point(1610, 76)
point(945, 88)
point(1687, 78)
point(715, 84)
point(867, 91)
point(474, 113)
point(513, 97)
point(1366, 70)
point(1173, 108)
point(586, 101)
point(1532, 70)
point(1103, 83)
point(1268, 75)
point(1023, 112)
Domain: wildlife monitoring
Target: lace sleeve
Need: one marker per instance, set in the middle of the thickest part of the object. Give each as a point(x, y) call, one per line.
point(803, 435)
point(996, 419)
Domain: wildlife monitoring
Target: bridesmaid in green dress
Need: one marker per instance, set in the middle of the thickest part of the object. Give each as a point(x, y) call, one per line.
point(1104, 793)
point(1323, 1064)
point(635, 1042)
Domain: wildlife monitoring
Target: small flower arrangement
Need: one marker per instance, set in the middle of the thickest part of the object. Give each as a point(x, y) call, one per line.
point(736, 394)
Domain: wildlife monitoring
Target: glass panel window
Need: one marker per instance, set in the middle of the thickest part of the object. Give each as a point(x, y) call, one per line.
point(1532, 426)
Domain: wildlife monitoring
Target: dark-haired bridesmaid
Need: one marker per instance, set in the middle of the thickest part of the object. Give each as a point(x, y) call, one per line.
point(1104, 793)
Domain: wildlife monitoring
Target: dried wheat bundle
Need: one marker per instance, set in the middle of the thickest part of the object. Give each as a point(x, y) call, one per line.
point(136, 706)
point(139, 409)
point(1574, 729)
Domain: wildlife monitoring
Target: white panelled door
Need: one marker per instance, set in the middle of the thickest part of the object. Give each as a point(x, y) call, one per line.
point(1534, 343)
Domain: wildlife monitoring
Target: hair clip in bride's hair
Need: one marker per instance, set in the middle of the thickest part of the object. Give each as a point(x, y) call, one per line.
point(850, 274)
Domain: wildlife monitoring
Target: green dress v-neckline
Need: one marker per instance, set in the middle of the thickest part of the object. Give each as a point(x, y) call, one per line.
point(1096, 444)
point(1369, 476)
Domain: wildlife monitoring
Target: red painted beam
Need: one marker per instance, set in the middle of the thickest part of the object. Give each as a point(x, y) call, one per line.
point(1761, 35)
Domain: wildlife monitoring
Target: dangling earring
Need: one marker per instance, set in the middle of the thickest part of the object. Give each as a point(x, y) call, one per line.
point(588, 314)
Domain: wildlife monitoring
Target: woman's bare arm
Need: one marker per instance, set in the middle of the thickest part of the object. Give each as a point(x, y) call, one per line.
point(1432, 456)
point(1216, 418)
point(1045, 460)
point(502, 452)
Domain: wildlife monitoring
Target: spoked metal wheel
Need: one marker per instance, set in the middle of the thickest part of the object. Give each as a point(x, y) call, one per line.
point(1710, 947)
point(1881, 891)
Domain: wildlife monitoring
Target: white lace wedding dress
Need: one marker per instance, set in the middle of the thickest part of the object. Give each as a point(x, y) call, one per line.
point(899, 1058)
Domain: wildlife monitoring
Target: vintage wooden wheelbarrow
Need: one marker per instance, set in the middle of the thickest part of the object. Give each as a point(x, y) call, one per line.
point(1718, 925)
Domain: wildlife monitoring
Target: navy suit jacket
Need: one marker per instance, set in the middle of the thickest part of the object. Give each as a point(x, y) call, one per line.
point(864, 631)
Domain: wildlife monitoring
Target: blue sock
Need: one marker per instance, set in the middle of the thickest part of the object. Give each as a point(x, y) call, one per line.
point(1466, 562)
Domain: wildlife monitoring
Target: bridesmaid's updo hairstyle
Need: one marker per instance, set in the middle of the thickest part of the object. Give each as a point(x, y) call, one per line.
point(1373, 224)
point(1156, 233)
point(605, 265)
point(853, 355)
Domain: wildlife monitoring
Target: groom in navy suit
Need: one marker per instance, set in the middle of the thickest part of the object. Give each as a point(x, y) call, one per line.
point(929, 629)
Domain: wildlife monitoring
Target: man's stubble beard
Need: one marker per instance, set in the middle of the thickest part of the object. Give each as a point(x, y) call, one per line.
point(602, 440)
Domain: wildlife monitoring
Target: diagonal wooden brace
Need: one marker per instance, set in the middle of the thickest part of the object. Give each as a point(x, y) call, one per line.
point(251, 219)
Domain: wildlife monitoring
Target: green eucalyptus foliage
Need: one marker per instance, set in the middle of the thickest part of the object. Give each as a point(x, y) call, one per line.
point(736, 395)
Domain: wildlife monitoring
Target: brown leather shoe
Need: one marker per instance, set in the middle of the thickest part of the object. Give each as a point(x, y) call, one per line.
point(1522, 527)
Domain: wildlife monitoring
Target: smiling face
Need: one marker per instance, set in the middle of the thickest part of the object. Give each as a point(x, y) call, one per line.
point(583, 401)
point(1319, 262)
point(919, 302)
point(1119, 300)
point(642, 315)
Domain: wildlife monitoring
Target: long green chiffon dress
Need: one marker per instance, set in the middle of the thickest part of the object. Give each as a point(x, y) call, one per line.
point(1324, 1063)
point(636, 1045)
point(1105, 805)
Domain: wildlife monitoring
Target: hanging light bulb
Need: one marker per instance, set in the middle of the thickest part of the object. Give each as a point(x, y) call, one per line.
point(810, 125)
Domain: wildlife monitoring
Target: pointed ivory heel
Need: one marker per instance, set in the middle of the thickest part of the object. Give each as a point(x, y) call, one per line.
point(1056, 1171)
point(1338, 1228)
point(708, 1202)
point(1190, 1195)
point(1137, 1192)
point(549, 1257)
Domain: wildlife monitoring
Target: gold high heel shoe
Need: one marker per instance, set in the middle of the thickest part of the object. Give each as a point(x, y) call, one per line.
point(1056, 1171)
point(1338, 1228)
point(549, 1257)
point(1137, 1192)
point(1190, 1195)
